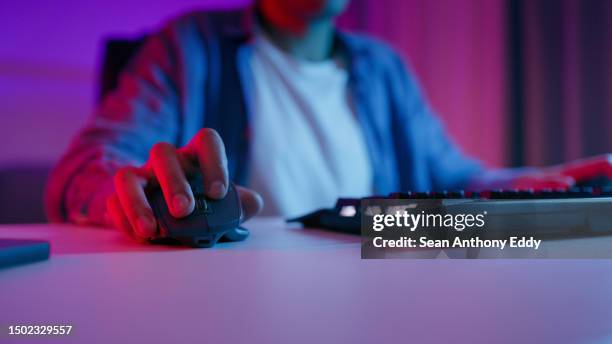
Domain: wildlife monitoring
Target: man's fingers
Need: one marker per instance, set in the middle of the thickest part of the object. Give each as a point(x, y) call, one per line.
point(557, 182)
point(544, 181)
point(129, 185)
point(251, 201)
point(119, 218)
point(589, 168)
point(567, 181)
point(167, 168)
point(207, 147)
point(117, 215)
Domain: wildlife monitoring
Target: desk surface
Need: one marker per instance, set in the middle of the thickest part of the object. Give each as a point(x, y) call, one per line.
point(288, 285)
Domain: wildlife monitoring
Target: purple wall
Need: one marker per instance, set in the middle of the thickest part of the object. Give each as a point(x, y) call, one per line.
point(49, 58)
point(48, 65)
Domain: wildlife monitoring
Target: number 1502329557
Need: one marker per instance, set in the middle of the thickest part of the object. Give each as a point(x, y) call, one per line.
point(39, 330)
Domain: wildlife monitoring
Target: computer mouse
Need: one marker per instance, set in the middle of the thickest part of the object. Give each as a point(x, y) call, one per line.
point(210, 221)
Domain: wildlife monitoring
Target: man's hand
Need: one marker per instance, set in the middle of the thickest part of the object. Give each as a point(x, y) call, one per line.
point(169, 167)
point(590, 168)
point(566, 175)
point(543, 179)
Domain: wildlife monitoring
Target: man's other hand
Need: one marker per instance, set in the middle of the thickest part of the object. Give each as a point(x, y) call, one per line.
point(566, 175)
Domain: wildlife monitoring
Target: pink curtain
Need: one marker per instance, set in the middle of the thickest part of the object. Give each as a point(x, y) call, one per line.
point(567, 72)
point(457, 49)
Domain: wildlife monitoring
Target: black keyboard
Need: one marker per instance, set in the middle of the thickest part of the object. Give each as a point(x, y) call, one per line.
point(578, 211)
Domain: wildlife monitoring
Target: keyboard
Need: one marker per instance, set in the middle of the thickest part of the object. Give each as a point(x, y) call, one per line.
point(575, 212)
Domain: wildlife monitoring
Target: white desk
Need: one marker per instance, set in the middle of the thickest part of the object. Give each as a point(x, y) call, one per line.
point(287, 285)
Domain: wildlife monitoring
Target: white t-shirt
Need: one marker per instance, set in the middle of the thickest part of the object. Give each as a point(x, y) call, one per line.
point(307, 146)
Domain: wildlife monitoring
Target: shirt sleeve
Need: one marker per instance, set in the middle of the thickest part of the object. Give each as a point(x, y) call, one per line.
point(143, 110)
point(446, 166)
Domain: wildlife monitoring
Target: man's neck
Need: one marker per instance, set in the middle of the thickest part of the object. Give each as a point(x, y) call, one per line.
point(314, 43)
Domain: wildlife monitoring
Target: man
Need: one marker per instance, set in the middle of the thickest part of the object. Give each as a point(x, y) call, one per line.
point(274, 98)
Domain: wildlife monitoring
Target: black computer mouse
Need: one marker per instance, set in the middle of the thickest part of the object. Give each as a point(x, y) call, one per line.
point(210, 221)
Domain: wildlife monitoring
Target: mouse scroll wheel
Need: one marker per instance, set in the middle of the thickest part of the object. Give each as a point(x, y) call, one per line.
point(201, 205)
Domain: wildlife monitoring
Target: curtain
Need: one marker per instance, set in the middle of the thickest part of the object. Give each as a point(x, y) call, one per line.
point(565, 102)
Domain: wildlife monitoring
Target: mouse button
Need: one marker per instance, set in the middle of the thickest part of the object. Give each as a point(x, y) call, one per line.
point(225, 213)
point(156, 200)
point(202, 206)
point(194, 224)
point(197, 184)
point(197, 189)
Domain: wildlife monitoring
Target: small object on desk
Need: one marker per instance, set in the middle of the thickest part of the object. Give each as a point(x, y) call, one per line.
point(210, 221)
point(22, 251)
